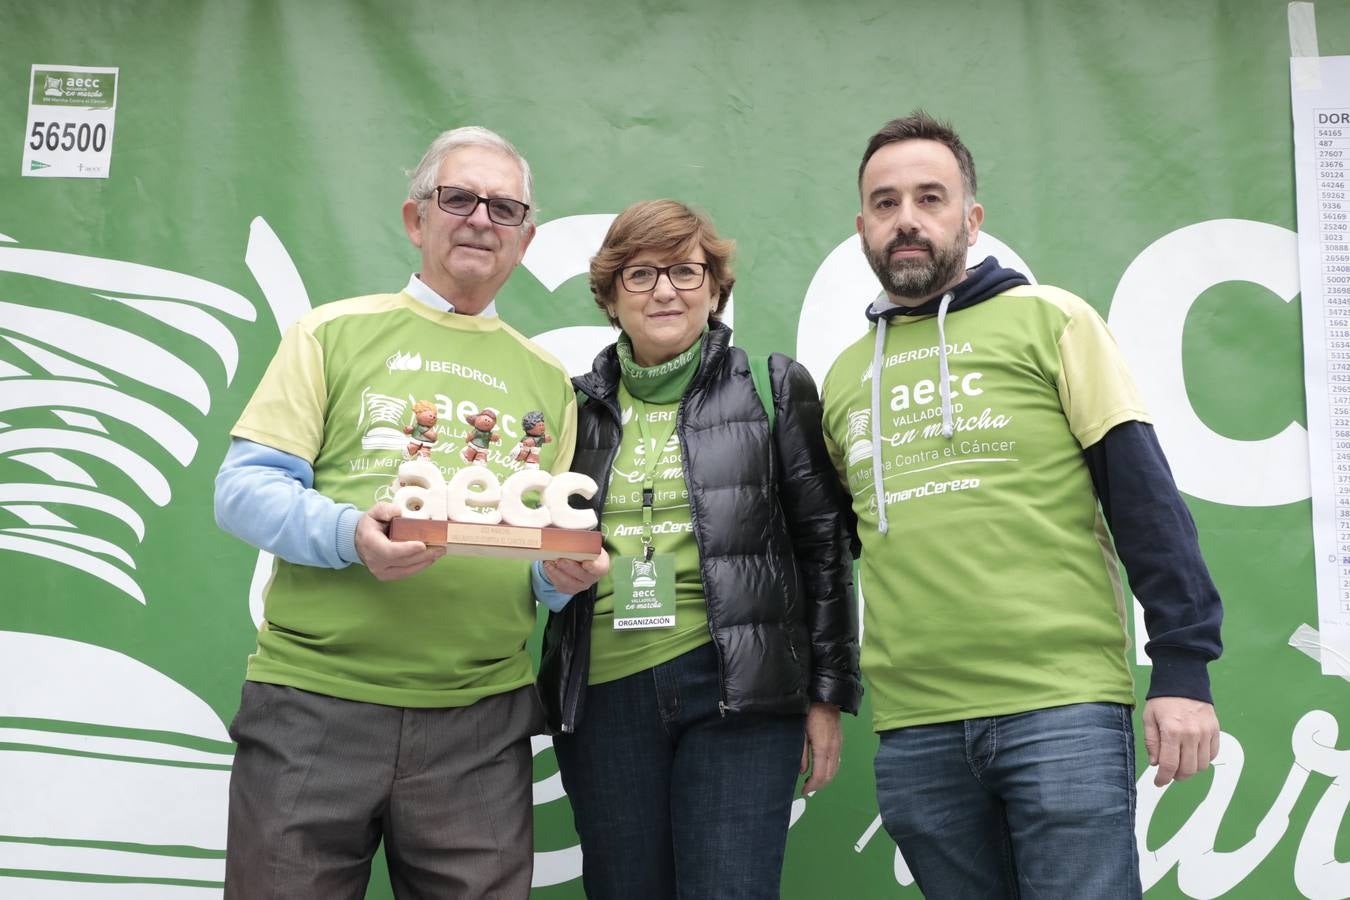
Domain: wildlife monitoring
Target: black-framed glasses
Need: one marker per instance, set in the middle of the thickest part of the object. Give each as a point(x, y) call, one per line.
point(460, 202)
point(684, 276)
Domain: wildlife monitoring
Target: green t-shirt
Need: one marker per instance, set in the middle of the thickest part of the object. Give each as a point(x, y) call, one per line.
point(617, 654)
point(339, 393)
point(996, 589)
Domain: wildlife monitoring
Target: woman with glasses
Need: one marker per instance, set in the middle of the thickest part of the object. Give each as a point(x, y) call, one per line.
point(690, 686)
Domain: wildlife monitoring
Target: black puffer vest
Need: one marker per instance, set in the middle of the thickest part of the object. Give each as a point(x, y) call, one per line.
point(767, 513)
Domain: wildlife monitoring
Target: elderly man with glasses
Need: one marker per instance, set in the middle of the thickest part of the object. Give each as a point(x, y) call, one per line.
point(387, 698)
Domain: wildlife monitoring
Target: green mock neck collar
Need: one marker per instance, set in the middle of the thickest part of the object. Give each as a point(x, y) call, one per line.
point(662, 383)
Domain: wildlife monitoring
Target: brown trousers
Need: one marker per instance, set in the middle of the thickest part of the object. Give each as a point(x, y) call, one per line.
point(318, 782)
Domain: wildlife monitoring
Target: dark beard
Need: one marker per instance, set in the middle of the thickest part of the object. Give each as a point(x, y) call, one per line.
point(922, 278)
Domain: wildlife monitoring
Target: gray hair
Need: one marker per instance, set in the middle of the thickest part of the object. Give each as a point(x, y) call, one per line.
point(423, 183)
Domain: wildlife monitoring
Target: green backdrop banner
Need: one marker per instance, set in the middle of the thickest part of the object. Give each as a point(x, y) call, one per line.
point(1137, 154)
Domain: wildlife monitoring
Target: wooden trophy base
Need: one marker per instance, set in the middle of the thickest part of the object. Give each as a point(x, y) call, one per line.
point(504, 541)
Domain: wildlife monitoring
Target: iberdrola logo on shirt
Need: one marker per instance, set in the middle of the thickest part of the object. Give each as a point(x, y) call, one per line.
point(403, 361)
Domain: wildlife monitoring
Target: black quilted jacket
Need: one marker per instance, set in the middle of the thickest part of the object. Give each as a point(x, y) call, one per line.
point(769, 524)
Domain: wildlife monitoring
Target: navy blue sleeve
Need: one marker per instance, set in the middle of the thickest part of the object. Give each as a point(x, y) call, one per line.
point(1156, 539)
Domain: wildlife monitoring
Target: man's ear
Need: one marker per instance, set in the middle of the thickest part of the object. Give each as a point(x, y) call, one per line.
point(974, 219)
point(412, 222)
point(529, 236)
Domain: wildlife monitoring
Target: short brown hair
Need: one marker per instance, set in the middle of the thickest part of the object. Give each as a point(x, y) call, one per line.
point(666, 227)
point(920, 126)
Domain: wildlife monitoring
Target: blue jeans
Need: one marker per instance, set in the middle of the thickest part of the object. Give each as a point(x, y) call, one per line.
point(670, 798)
point(1035, 804)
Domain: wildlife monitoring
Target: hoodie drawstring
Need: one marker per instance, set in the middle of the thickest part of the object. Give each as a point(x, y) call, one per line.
point(945, 387)
point(877, 486)
point(982, 282)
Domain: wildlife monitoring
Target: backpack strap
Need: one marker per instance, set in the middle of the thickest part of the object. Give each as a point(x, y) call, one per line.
point(759, 372)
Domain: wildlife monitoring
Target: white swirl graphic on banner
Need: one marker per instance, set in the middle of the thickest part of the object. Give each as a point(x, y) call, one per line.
point(79, 395)
point(110, 771)
point(105, 777)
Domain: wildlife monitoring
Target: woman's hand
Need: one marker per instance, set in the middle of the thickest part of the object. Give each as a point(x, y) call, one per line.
point(572, 576)
point(824, 742)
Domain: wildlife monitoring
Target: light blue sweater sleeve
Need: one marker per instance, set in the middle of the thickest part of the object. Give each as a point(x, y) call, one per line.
point(544, 591)
point(266, 498)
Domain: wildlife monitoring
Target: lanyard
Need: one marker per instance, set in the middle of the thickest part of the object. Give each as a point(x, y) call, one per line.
point(652, 456)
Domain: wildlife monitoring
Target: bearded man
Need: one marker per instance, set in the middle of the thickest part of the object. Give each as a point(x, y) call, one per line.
point(999, 457)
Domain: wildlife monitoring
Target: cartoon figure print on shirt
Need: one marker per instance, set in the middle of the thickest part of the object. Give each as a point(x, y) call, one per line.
point(480, 435)
point(536, 436)
point(422, 430)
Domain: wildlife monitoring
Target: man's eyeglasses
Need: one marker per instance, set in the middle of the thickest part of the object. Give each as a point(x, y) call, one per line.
point(459, 202)
point(683, 276)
